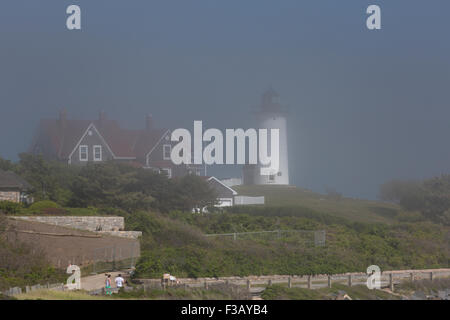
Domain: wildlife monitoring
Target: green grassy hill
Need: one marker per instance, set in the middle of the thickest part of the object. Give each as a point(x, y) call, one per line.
point(352, 209)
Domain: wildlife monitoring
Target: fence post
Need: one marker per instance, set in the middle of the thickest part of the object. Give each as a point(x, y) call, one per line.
point(349, 280)
point(289, 282)
point(412, 276)
point(309, 282)
point(270, 282)
point(391, 282)
point(431, 276)
point(329, 281)
point(234, 236)
point(114, 258)
point(249, 285)
point(206, 285)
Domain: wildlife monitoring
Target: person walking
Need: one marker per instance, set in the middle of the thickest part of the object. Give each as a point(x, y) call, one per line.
point(119, 281)
point(108, 284)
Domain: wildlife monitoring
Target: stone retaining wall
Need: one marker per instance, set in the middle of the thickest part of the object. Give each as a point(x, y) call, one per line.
point(79, 222)
point(64, 246)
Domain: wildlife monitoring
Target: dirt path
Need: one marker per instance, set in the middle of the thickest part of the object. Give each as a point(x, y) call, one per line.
point(97, 281)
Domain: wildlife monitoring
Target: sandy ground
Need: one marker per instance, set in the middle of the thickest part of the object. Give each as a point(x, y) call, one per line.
point(97, 281)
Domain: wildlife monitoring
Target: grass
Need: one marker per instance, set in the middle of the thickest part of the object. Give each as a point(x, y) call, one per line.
point(58, 295)
point(66, 211)
point(179, 247)
point(3, 297)
point(358, 292)
point(153, 294)
point(424, 285)
point(355, 210)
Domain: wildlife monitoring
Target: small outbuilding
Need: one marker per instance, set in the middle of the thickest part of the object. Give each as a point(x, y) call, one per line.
point(13, 188)
point(225, 194)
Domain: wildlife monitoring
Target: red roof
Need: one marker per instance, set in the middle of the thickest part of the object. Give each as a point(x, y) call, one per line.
point(63, 137)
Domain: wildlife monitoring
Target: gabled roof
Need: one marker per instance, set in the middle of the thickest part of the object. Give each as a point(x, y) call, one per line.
point(147, 140)
point(63, 137)
point(10, 180)
point(220, 182)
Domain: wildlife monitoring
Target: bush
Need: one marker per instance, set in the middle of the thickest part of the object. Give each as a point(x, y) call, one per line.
point(9, 207)
point(175, 243)
point(42, 206)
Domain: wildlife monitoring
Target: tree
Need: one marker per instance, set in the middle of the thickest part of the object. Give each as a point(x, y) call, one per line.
point(6, 165)
point(50, 180)
point(194, 192)
point(431, 197)
point(398, 190)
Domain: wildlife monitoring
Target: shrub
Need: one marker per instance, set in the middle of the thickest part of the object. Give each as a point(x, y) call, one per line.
point(9, 207)
point(41, 206)
point(54, 211)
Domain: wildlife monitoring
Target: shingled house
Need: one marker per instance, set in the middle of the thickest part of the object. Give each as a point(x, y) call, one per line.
point(13, 188)
point(225, 194)
point(78, 142)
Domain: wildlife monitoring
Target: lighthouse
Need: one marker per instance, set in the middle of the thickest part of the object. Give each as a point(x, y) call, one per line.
point(270, 115)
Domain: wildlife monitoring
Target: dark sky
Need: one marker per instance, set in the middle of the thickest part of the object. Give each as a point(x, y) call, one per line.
point(365, 106)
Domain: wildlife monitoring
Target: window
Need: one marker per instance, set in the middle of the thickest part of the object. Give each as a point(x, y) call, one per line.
point(83, 153)
point(167, 171)
point(167, 149)
point(271, 177)
point(97, 153)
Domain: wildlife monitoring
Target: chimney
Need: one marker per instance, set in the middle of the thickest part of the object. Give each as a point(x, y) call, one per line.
point(63, 117)
point(148, 122)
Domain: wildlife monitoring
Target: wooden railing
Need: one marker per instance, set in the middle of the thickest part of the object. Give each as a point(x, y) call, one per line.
point(388, 279)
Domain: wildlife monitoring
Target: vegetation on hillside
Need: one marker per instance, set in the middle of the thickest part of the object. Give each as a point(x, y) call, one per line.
point(297, 199)
point(280, 292)
point(177, 245)
point(110, 185)
point(21, 265)
point(430, 197)
point(359, 233)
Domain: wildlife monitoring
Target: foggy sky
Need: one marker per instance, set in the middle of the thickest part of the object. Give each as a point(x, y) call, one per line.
point(365, 106)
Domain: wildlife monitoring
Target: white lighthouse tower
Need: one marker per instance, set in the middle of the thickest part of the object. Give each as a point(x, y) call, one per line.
point(270, 115)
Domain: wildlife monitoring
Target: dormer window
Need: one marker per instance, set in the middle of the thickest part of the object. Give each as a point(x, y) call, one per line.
point(97, 153)
point(84, 153)
point(167, 149)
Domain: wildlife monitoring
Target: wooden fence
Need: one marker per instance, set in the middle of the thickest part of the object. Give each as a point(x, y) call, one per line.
point(253, 283)
point(18, 290)
point(256, 284)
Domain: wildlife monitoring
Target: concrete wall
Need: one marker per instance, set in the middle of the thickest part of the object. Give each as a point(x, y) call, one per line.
point(63, 246)
point(81, 223)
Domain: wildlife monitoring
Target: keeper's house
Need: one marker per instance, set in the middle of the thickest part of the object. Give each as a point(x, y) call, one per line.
point(13, 188)
point(78, 142)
